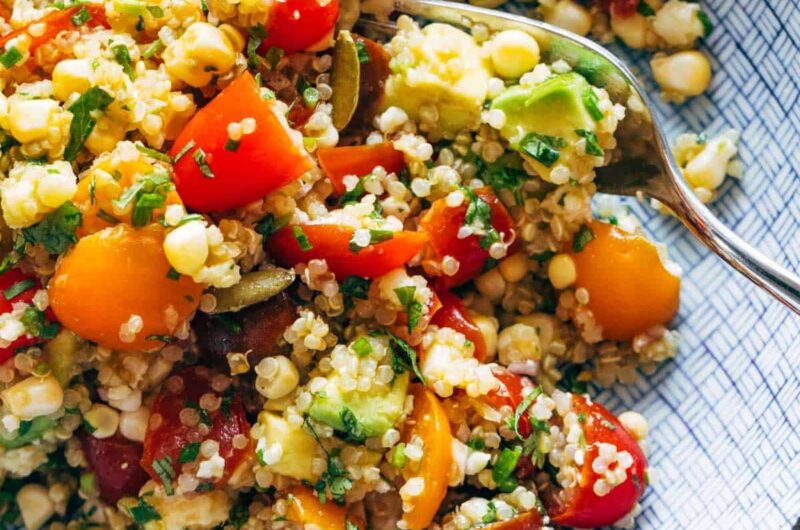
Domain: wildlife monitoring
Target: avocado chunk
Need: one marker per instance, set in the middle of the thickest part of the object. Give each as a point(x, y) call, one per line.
point(438, 67)
point(555, 108)
point(358, 415)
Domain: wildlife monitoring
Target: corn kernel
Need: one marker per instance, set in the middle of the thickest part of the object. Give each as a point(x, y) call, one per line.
point(562, 271)
point(103, 419)
point(71, 76)
point(29, 119)
point(513, 53)
point(35, 505)
point(34, 396)
point(200, 53)
point(186, 247)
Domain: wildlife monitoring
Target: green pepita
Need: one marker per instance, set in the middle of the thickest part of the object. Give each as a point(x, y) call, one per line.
point(345, 80)
point(254, 287)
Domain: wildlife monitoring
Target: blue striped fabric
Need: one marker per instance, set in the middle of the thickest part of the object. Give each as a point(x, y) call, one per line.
point(725, 415)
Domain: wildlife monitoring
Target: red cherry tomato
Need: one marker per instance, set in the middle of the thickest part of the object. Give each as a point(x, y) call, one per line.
point(527, 521)
point(358, 160)
point(115, 463)
point(54, 23)
point(623, 8)
point(580, 506)
point(332, 242)
point(296, 25)
point(454, 315)
point(8, 280)
point(442, 223)
point(263, 161)
point(167, 435)
point(510, 394)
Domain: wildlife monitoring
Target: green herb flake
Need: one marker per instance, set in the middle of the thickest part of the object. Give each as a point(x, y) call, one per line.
point(644, 9)
point(81, 17)
point(592, 144)
point(523, 407)
point(18, 288)
point(152, 153)
point(398, 456)
point(238, 515)
point(165, 472)
point(88, 426)
point(274, 56)
point(354, 287)
point(592, 104)
point(362, 346)
point(349, 525)
point(375, 237)
point(123, 58)
point(232, 145)
point(506, 463)
point(83, 123)
point(404, 357)
point(143, 513)
point(56, 232)
point(704, 20)
point(199, 157)
point(257, 35)
point(10, 57)
point(479, 216)
point(37, 325)
point(185, 149)
point(491, 514)
point(189, 453)
point(476, 444)
point(582, 238)
point(363, 53)
point(155, 47)
point(541, 257)
point(156, 11)
point(172, 274)
point(301, 238)
point(542, 148)
point(412, 307)
point(353, 432)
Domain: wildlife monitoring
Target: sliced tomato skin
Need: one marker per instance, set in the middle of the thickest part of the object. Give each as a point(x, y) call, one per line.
point(623, 8)
point(510, 393)
point(374, 74)
point(442, 223)
point(263, 162)
point(527, 521)
point(358, 160)
point(55, 22)
point(454, 315)
point(582, 507)
point(8, 279)
point(296, 25)
point(166, 438)
point(331, 243)
point(115, 463)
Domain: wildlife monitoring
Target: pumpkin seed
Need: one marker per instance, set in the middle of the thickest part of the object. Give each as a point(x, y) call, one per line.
point(254, 287)
point(345, 80)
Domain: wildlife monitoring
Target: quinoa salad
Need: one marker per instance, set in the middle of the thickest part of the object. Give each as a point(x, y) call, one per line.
point(260, 271)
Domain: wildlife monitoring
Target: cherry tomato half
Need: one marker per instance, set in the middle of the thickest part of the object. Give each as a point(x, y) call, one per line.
point(332, 242)
point(115, 463)
point(11, 282)
point(167, 437)
point(296, 25)
point(629, 288)
point(442, 223)
point(509, 394)
point(527, 521)
point(234, 176)
point(54, 23)
point(374, 74)
point(580, 506)
point(454, 315)
point(623, 8)
point(305, 509)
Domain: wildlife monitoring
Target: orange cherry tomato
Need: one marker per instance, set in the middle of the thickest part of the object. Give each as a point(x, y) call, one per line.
point(580, 506)
point(98, 189)
point(358, 160)
point(305, 508)
point(296, 25)
point(442, 223)
point(454, 315)
point(11, 282)
point(165, 441)
point(332, 242)
point(428, 421)
point(527, 521)
point(263, 161)
point(54, 23)
point(629, 288)
point(115, 274)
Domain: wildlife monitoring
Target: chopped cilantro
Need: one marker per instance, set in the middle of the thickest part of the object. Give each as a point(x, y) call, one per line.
point(476, 444)
point(592, 105)
point(354, 287)
point(542, 147)
point(592, 144)
point(37, 325)
point(143, 513)
point(199, 157)
point(644, 9)
point(404, 357)
point(541, 257)
point(81, 17)
point(56, 232)
point(152, 153)
point(491, 514)
point(189, 453)
point(363, 53)
point(479, 216)
point(704, 20)
point(123, 58)
point(353, 431)
point(301, 238)
point(582, 238)
point(10, 57)
point(232, 145)
point(185, 149)
point(269, 224)
point(257, 35)
point(523, 407)
point(165, 472)
point(82, 121)
point(412, 307)
point(172, 274)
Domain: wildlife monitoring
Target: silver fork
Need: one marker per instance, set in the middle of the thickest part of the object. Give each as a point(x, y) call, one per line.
point(644, 165)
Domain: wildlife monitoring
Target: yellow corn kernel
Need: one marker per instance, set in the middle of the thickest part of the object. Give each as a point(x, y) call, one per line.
point(562, 271)
point(105, 136)
point(569, 15)
point(33, 190)
point(686, 73)
point(103, 419)
point(200, 53)
point(133, 425)
point(35, 505)
point(488, 327)
point(277, 377)
point(234, 36)
point(518, 343)
point(514, 268)
point(71, 76)
point(491, 284)
point(34, 396)
point(513, 53)
point(186, 247)
point(29, 119)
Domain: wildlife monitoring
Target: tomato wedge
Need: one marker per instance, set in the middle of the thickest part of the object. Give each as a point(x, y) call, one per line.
point(296, 25)
point(428, 421)
point(580, 506)
point(374, 74)
point(55, 22)
point(358, 160)
point(331, 243)
point(305, 508)
point(263, 161)
point(527, 521)
point(454, 315)
point(510, 394)
point(167, 437)
point(442, 223)
point(20, 288)
point(115, 463)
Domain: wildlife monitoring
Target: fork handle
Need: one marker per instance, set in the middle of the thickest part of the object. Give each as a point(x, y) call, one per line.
point(782, 283)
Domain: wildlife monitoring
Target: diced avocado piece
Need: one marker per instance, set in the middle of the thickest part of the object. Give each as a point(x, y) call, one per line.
point(360, 414)
point(438, 66)
point(28, 432)
point(557, 107)
point(299, 447)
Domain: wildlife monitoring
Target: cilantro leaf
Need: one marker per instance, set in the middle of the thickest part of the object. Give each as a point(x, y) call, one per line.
point(542, 147)
point(411, 306)
point(56, 232)
point(82, 122)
